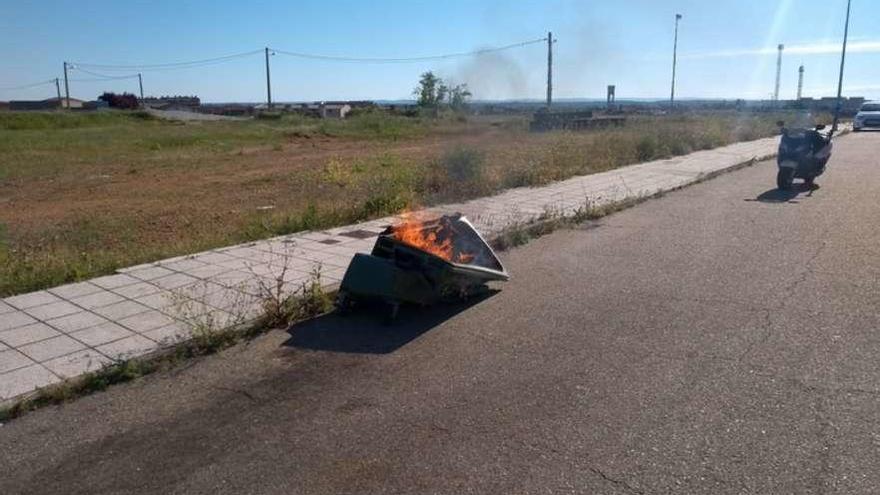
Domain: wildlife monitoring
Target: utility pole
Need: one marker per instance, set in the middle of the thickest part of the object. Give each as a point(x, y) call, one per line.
point(549, 68)
point(800, 82)
point(778, 72)
point(58, 91)
point(141, 86)
point(66, 87)
point(674, 59)
point(840, 79)
point(268, 83)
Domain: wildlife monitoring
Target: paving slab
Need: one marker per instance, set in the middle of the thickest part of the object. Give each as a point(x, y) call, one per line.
point(97, 300)
point(11, 359)
point(101, 334)
point(121, 310)
point(27, 334)
point(78, 289)
point(136, 290)
point(32, 299)
point(52, 310)
point(76, 322)
point(127, 348)
point(149, 320)
point(161, 301)
point(25, 380)
point(114, 281)
point(174, 281)
point(5, 308)
point(73, 365)
point(51, 348)
point(15, 319)
point(170, 334)
point(149, 273)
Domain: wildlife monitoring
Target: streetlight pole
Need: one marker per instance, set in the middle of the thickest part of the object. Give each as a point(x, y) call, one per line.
point(549, 69)
point(674, 57)
point(268, 83)
point(840, 79)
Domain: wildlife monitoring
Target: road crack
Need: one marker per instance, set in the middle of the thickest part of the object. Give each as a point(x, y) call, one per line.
point(615, 481)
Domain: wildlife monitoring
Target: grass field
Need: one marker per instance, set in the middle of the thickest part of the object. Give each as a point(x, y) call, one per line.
point(84, 194)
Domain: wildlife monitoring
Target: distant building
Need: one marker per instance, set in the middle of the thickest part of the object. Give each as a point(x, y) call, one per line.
point(334, 111)
point(47, 104)
point(230, 109)
point(322, 109)
point(4, 105)
point(96, 105)
point(848, 106)
point(173, 102)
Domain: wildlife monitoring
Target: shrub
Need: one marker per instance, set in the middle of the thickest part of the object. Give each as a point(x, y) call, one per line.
point(125, 101)
point(646, 148)
point(463, 164)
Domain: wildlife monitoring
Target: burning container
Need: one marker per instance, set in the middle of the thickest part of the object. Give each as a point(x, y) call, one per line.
point(421, 262)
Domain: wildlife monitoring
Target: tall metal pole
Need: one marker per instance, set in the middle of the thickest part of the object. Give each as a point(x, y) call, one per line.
point(141, 86)
point(66, 87)
point(800, 82)
point(549, 69)
point(674, 59)
point(268, 83)
point(58, 91)
point(840, 79)
point(778, 72)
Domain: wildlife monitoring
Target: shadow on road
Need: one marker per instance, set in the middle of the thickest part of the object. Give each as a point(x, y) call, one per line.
point(365, 330)
point(785, 196)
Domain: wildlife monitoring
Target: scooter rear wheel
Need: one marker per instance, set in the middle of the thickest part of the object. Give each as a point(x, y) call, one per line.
point(784, 178)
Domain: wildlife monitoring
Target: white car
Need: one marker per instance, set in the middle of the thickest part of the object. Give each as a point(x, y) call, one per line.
point(868, 116)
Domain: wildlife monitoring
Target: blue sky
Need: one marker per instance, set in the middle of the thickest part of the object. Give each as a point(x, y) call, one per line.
point(726, 47)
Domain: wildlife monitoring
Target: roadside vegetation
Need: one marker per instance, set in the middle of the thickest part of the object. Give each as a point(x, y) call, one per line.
point(276, 307)
point(84, 194)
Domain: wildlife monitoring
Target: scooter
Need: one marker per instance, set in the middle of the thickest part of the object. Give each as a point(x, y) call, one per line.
point(803, 154)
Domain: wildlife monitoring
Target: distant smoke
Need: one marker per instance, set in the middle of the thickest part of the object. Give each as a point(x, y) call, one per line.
point(491, 76)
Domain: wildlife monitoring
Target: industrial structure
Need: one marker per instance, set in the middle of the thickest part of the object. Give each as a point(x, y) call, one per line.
point(800, 82)
point(778, 72)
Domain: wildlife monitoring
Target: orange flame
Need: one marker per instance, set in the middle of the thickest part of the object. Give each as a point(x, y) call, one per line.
point(435, 239)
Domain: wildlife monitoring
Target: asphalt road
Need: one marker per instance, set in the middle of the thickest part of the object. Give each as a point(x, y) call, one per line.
point(722, 339)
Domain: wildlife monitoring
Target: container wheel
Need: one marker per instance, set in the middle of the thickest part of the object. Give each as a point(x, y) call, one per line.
point(343, 303)
point(393, 310)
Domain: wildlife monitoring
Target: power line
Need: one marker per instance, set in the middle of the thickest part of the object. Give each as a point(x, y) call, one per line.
point(26, 86)
point(382, 60)
point(167, 66)
point(100, 77)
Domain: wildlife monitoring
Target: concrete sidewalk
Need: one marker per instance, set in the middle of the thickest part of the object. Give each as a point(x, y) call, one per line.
point(51, 335)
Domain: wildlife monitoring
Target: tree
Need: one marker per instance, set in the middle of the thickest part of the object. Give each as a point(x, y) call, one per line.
point(432, 92)
point(459, 96)
point(125, 100)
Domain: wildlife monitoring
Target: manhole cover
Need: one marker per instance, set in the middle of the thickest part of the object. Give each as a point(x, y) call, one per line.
point(329, 241)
